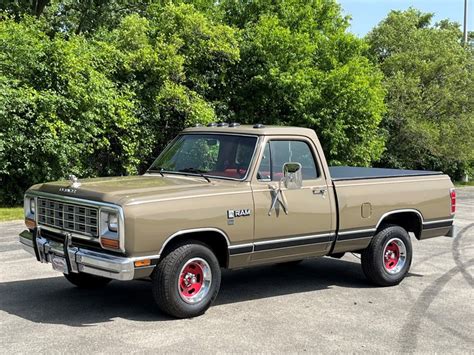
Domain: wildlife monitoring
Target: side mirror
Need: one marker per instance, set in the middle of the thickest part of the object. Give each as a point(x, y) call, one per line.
point(292, 176)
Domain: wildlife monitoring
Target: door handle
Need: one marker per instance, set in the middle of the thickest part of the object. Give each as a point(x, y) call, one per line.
point(320, 191)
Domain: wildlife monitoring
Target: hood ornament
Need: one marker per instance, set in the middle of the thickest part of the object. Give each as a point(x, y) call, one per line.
point(74, 181)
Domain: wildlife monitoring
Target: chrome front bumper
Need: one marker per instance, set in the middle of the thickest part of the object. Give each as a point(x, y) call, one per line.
point(82, 260)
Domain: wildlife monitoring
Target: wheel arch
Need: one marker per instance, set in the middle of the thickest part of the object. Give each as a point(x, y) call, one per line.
point(410, 219)
point(214, 238)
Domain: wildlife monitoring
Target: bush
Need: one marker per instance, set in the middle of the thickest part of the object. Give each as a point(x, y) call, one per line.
point(60, 112)
point(104, 105)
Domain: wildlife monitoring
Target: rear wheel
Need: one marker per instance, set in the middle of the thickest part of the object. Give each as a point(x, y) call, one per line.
point(82, 280)
point(387, 259)
point(186, 281)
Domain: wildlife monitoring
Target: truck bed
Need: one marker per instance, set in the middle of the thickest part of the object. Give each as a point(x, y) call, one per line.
point(340, 173)
point(365, 196)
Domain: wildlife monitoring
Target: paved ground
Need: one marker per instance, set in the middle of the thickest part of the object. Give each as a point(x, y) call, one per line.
point(319, 306)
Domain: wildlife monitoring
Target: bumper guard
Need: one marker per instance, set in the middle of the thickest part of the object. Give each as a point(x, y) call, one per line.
point(82, 260)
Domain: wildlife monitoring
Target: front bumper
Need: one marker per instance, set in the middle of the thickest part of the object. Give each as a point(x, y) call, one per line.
point(84, 260)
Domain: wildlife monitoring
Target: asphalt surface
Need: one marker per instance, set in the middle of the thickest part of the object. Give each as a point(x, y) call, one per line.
point(321, 305)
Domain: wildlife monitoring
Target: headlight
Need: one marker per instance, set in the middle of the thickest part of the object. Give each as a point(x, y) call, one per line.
point(112, 222)
point(111, 235)
point(32, 206)
point(29, 206)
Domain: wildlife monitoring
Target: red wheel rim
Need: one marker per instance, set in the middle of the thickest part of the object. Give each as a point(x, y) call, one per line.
point(194, 280)
point(191, 280)
point(391, 255)
point(394, 256)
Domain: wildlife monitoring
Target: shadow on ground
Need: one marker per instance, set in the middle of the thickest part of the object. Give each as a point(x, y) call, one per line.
point(55, 301)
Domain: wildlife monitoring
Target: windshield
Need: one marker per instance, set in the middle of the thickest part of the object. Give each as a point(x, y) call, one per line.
point(218, 155)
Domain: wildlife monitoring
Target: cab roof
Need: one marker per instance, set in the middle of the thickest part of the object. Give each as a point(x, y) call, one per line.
point(259, 130)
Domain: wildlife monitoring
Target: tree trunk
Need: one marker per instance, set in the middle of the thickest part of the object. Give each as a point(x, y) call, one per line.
point(39, 6)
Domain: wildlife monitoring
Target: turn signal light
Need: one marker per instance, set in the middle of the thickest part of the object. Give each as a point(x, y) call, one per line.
point(110, 243)
point(144, 262)
point(30, 223)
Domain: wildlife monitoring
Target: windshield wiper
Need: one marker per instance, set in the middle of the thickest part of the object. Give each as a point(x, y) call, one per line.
point(195, 171)
point(158, 170)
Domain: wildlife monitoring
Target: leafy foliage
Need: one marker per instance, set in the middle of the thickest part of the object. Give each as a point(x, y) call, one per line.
point(105, 105)
point(60, 112)
point(98, 87)
point(300, 67)
point(429, 78)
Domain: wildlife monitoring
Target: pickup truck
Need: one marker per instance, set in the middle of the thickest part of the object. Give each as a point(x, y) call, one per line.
point(232, 196)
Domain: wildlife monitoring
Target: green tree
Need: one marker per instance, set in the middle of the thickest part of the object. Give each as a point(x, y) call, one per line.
point(175, 60)
point(59, 111)
point(299, 66)
point(74, 16)
point(17, 8)
point(429, 77)
point(88, 16)
point(105, 103)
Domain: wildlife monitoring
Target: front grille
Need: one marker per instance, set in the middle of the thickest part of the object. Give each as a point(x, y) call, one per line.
point(68, 216)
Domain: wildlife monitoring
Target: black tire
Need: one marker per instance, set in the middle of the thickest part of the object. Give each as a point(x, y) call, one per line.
point(86, 281)
point(166, 280)
point(374, 262)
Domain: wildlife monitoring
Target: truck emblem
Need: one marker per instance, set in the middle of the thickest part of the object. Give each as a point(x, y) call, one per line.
point(74, 181)
point(68, 190)
point(238, 213)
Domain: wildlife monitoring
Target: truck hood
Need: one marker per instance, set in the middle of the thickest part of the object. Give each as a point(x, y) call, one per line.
point(127, 189)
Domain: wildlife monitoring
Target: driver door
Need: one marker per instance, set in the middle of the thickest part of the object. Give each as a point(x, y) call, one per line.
point(304, 229)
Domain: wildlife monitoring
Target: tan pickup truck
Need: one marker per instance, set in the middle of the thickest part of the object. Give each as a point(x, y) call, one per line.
point(232, 196)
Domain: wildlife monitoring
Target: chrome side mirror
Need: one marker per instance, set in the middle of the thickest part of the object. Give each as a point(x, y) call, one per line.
point(292, 176)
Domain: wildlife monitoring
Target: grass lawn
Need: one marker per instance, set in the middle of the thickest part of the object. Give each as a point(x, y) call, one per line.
point(11, 213)
point(461, 183)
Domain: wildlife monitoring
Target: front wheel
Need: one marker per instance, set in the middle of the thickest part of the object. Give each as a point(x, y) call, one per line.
point(186, 281)
point(387, 259)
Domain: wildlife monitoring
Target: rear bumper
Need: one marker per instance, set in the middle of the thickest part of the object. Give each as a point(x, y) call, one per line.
point(452, 232)
point(438, 228)
point(81, 260)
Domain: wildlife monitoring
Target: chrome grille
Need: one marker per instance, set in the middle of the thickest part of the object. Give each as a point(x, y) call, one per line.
point(68, 216)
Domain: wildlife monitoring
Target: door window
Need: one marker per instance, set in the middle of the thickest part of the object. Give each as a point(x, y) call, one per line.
point(279, 152)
